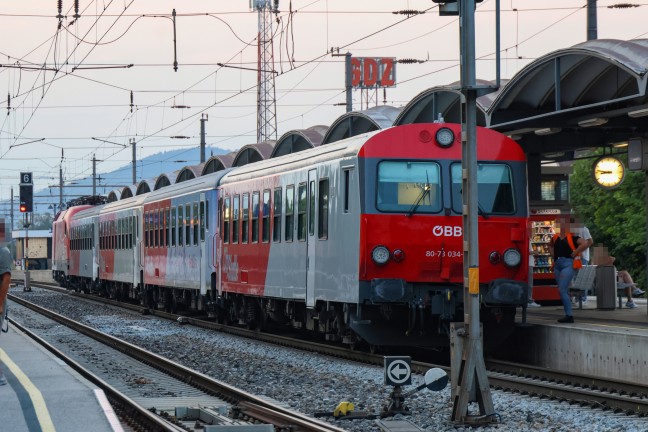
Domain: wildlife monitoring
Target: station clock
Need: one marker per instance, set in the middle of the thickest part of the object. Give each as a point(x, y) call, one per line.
point(608, 172)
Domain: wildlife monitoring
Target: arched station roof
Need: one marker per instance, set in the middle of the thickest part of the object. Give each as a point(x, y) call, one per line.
point(218, 163)
point(358, 122)
point(127, 192)
point(144, 186)
point(253, 153)
point(587, 95)
point(113, 196)
point(444, 101)
point(298, 140)
point(165, 180)
point(189, 172)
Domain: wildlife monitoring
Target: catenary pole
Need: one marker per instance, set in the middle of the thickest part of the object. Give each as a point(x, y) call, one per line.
point(470, 381)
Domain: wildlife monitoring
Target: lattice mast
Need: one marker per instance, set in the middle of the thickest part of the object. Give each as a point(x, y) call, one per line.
point(266, 98)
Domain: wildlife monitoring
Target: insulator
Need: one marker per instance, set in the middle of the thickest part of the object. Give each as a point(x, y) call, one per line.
point(623, 6)
point(76, 9)
point(408, 12)
point(408, 61)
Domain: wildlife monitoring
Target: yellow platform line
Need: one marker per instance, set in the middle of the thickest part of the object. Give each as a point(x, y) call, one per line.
point(35, 395)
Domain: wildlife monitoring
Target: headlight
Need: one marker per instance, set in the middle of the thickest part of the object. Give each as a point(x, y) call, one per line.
point(398, 255)
point(512, 257)
point(380, 255)
point(494, 257)
point(445, 137)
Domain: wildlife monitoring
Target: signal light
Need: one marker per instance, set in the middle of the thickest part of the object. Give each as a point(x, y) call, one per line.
point(26, 198)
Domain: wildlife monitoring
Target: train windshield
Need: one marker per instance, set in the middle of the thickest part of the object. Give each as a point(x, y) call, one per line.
point(495, 189)
point(406, 186)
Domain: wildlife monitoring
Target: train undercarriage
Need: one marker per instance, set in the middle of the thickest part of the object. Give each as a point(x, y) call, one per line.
point(424, 324)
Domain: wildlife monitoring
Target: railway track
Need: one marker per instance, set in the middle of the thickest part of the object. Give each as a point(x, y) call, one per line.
point(583, 390)
point(246, 405)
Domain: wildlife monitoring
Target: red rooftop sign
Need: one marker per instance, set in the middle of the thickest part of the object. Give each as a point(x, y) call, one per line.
point(370, 72)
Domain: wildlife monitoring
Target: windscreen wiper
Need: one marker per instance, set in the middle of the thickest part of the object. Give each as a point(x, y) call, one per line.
point(419, 200)
point(481, 211)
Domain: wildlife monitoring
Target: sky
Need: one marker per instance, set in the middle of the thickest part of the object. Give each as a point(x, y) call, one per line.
point(68, 89)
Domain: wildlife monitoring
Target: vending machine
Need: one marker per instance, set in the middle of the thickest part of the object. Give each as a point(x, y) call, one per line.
point(542, 230)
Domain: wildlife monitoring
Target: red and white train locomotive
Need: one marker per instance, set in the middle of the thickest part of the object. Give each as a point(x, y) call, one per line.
point(360, 240)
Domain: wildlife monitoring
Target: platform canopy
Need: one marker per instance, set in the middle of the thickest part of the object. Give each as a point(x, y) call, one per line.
point(253, 153)
point(165, 180)
point(189, 172)
point(218, 163)
point(358, 122)
point(590, 95)
point(298, 140)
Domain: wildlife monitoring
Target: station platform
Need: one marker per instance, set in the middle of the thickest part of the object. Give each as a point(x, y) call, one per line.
point(44, 394)
point(607, 343)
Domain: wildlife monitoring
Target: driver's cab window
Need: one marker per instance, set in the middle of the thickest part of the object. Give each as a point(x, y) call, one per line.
point(494, 189)
point(408, 186)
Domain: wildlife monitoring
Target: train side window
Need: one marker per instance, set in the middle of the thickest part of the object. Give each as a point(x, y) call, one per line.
point(160, 228)
point(180, 225)
point(276, 222)
point(245, 224)
point(202, 221)
point(122, 234)
point(167, 224)
point(265, 227)
point(207, 214)
point(235, 220)
point(146, 227)
point(195, 223)
point(301, 212)
point(347, 188)
point(187, 224)
point(311, 208)
point(290, 213)
point(323, 209)
point(158, 222)
point(119, 240)
point(174, 234)
point(226, 220)
point(255, 217)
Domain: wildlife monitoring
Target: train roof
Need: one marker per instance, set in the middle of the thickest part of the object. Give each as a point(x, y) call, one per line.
point(304, 158)
point(206, 182)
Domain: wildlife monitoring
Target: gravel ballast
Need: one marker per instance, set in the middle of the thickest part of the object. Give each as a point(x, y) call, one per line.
point(312, 383)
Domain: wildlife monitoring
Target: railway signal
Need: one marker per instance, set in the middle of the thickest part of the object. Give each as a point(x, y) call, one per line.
point(26, 192)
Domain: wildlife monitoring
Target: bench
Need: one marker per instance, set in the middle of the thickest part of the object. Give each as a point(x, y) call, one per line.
point(620, 289)
point(584, 282)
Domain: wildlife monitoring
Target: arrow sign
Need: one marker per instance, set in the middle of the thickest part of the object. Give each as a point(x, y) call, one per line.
point(398, 370)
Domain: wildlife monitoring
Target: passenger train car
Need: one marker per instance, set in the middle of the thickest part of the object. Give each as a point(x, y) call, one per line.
point(360, 240)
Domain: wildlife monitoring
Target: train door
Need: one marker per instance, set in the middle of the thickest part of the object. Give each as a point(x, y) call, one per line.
point(202, 221)
point(135, 244)
point(310, 238)
point(95, 248)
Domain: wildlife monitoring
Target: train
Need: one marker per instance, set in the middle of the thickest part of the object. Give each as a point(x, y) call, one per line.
point(359, 241)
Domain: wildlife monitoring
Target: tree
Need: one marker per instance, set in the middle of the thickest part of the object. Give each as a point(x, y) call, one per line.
point(616, 218)
point(42, 221)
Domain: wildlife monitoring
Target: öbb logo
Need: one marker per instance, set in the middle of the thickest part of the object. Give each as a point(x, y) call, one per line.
point(447, 231)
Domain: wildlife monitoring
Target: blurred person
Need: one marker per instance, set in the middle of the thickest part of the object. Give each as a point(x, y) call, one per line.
point(564, 247)
point(6, 262)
